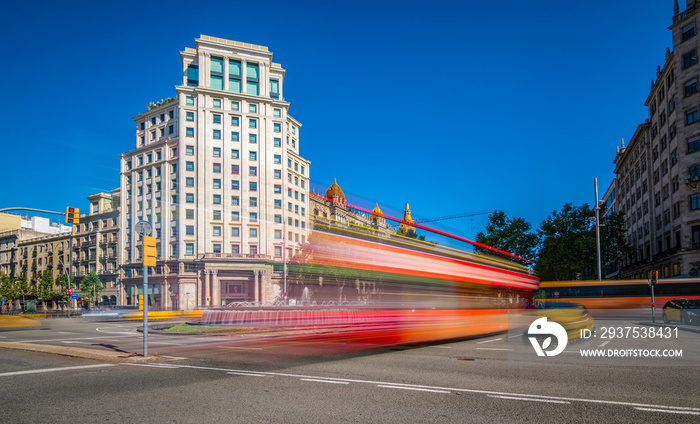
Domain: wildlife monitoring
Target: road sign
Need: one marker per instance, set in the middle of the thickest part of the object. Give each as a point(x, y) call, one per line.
point(69, 291)
point(143, 228)
point(2, 300)
point(149, 251)
point(74, 296)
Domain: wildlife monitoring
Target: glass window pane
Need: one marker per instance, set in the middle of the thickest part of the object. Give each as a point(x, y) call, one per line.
point(252, 88)
point(217, 65)
point(234, 85)
point(252, 71)
point(234, 68)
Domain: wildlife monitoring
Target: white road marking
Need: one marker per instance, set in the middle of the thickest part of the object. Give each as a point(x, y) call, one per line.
point(488, 341)
point(73, 338)
point(74, 342)
point(492, 348)
point(442, 347)
point(240, 347)
point(517, 335)
point(413, 388)
point(452, 389)
point(604, 343)
point(668, 411)
point(324, 381)
point(7, 374)
point(529, 399)
point(249, 374)
point(116, 332)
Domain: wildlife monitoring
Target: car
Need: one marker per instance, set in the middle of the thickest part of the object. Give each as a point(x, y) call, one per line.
point(682, 310)
point(572, 316)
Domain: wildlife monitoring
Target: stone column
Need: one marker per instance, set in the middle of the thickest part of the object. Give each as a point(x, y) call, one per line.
point(207, 287)
point(215, 289)
point(256, 282)
point(198, 290)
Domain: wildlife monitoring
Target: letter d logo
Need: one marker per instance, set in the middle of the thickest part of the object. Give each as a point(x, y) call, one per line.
point(542, 327)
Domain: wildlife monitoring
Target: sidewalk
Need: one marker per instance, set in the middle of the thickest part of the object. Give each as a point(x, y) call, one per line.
point(16, 321)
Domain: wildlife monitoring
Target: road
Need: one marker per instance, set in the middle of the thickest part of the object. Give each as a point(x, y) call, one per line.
point(297, 379)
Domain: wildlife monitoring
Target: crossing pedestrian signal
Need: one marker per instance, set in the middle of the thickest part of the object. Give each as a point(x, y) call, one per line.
point(72, 216)
point(149, 251)
point(654, 275)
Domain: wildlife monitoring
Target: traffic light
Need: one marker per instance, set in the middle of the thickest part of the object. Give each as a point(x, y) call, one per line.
point(72, 215)
point(653, 306)
point(654, 275)
point(149, 251)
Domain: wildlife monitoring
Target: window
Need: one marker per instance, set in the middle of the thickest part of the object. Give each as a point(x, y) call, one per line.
point(691, 87)
point(216, 103)
point(217, 216)
point(234, 201)
point(171, 129)
point(192, 76)
point(216, 231)
point(216, 168)
point(235, 216)
point(277, 113)
point(235, 169)
point(234, 78)
point(235, 121)
point(217, 135)
point(189, 101)
point(234, 136)
point(278, 234)
point(189, 182)
point(274, 89)
point(217, 73)
point(253, 201)
point(277, 127)
point(693, 144)
point(278, 219)
point(278, 204)
point(278, 142)
point(253, 108)
point(253, 156)
point(234, 154)
point(694, 204)
point(277, 159)
point(189, 249)
point(216, 183)
point(252, 123)
point(189, 132)
point(189, 214)
point(235, 185)
point(235, 232)
point(235, 248)
point(253, 171)
point(234, 105)
point(189, 198)
point(252, 82)
point(216, 247)
point(253, 232)
point(253, 186)
point(217, 152)
point(253, 217)
point(252, 138)
point(688, 31)
point(217, 118)
point(691, 116)
point(189, 166)
point(278, 189)
point(689, 59)
point(189, 230)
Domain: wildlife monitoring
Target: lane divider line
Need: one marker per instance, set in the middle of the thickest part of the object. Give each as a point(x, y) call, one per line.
point(316, 380)
point(529, 399)
point(412, 388)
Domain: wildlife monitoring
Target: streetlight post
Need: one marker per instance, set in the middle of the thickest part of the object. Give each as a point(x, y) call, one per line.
point(597, 227)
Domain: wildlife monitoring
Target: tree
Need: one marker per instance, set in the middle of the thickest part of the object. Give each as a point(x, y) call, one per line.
point(512, 235)
point(91, 286)
point(567, 245)
point(614, 247)
point(44, 286)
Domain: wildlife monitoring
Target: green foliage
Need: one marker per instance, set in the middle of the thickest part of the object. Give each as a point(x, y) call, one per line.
point(91, 285)
point(512, 235)
point(567, 245)
point(410, 233)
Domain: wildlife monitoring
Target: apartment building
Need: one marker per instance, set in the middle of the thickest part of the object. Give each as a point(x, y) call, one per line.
point(658, 172)
point(217, 173)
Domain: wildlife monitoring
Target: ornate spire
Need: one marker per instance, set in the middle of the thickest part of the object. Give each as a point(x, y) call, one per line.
point(675, 7)
point(623, 143)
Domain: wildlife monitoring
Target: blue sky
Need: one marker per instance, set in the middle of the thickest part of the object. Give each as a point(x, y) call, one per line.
point(451, 106)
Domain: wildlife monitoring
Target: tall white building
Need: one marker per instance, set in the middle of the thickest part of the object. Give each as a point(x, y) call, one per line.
point(217, 172)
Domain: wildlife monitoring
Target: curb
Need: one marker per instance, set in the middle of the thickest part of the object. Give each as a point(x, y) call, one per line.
point(76, 352)
point(679, 326)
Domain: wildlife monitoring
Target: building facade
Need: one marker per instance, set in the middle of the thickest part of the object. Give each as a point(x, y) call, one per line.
point(216, 171)
point(657, 173)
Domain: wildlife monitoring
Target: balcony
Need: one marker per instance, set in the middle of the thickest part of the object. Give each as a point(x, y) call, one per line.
point(76, 246)
point(235, 256)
